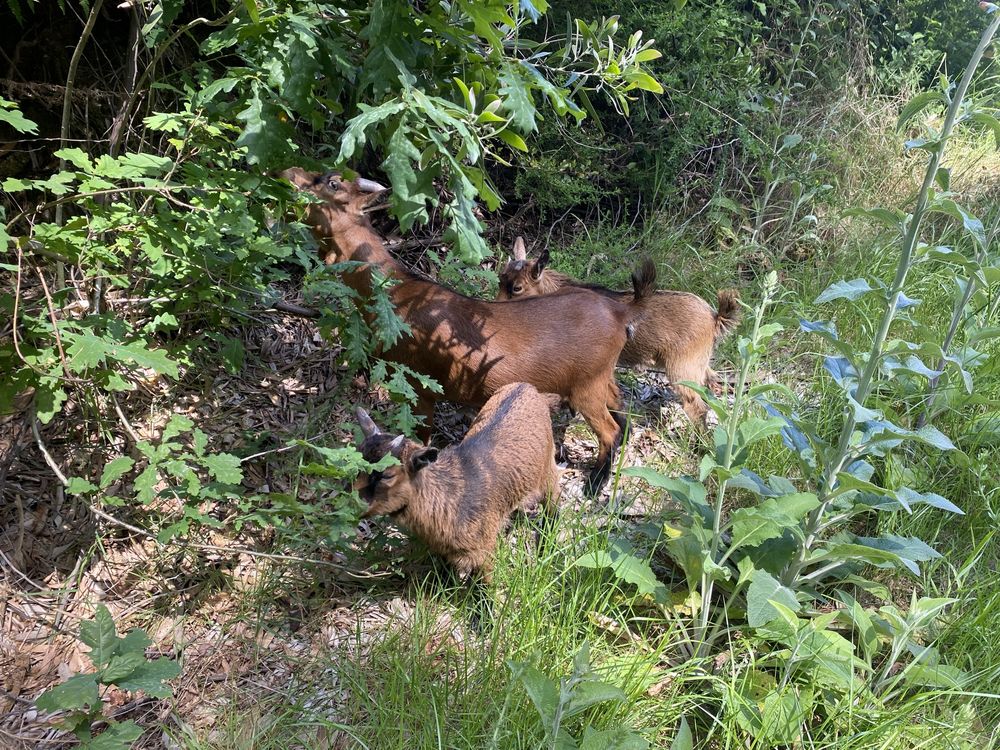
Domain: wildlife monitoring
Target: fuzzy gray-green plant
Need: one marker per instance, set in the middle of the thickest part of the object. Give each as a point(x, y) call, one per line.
point(767, 565)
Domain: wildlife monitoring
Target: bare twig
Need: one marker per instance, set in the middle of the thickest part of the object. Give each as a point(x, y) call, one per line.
point(161, 49)
point(162, 189)
point(118, 124)
point(233, 550)
point(15, 450)
point(293, 309)
point(124, 420)
point(45, 451)
point(46, 253)
point(33, 740)
point(55, 325)
point(17, 300)
point(134, 301)
point(10, 564)
point(16, 698)
point(282, 449)
point(31, 89)
point(68, 590)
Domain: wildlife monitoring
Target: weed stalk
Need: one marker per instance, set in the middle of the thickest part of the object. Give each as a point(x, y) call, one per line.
point(958, 313)
point(775, 182)
point(843, 452)
point(750, 355)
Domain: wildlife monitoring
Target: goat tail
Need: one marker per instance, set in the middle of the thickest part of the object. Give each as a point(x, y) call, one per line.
point(644, 280)
point(729, 314)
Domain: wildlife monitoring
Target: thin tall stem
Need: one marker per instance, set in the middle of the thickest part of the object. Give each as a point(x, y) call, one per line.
point(773, 184)
point(732, 426)
point(912, 234)
point(74, 63)
point(956, 319)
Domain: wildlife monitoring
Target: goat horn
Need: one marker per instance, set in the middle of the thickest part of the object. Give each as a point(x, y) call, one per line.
point(397, 445)
point(369, 186)
point(520, 251)
point(368, 427)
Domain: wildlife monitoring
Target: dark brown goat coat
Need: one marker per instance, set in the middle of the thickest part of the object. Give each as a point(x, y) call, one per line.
point(566, 343)
point(676, 332)
point(458, 500)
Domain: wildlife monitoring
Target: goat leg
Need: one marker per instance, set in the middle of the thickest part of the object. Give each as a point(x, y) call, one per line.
point(608, 448)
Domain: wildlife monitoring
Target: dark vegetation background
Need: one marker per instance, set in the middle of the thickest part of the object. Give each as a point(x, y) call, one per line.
point(724, 66)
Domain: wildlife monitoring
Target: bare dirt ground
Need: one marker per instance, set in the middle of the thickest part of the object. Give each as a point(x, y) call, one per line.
point(245, 617)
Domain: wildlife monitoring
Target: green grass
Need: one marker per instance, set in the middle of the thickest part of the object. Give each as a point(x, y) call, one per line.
point(433, 681)
point(415, 690)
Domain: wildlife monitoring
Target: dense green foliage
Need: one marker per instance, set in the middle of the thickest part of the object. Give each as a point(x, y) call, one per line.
point(738, 79)
point(452, 87)
point(747, 144)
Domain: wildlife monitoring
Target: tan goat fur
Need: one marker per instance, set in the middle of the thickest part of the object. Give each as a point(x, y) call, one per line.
point(565, 343)
point(457, 500)
point(676, 332)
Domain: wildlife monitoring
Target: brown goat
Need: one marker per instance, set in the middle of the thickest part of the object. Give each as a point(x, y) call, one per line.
point(565, 344)
point(676, 333)
point(458, 499)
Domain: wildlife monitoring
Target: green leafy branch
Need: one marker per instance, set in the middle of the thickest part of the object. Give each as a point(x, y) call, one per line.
point(438, 91)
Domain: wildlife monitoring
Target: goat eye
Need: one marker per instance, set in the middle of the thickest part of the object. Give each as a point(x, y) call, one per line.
point(332, 182)
point(518, 289)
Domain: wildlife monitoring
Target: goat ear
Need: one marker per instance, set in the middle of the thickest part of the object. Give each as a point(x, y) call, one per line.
point(520, 252)
point(298, 177)
point(368, 427)
point(539, 265)
point(422, 457)
point(375, 201)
